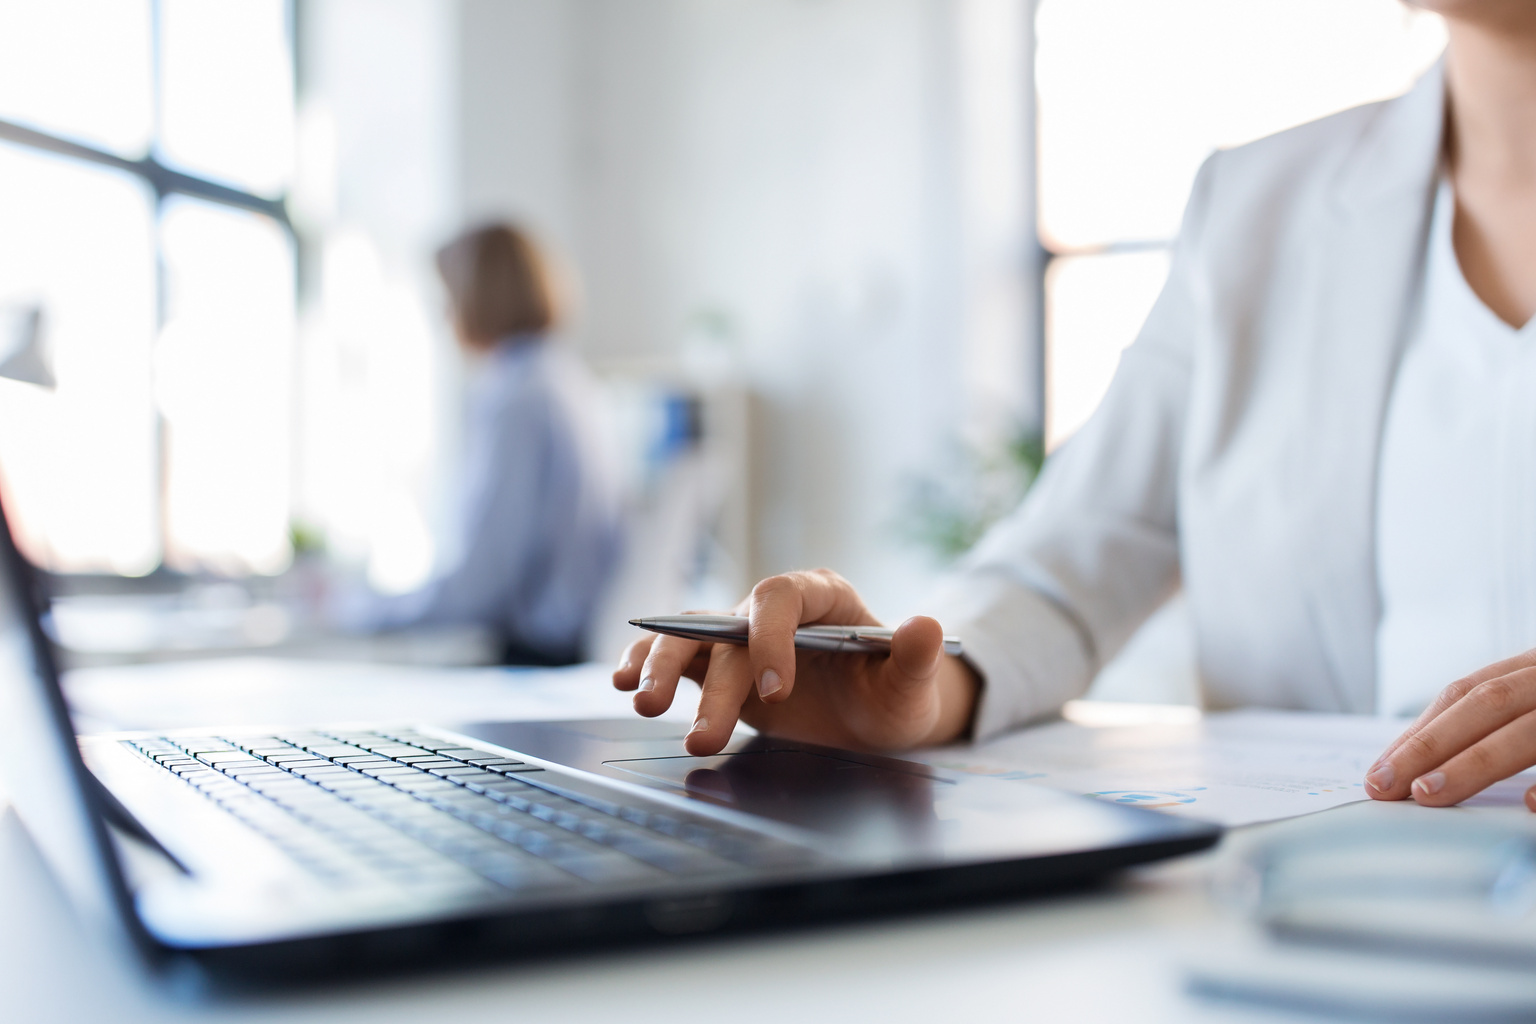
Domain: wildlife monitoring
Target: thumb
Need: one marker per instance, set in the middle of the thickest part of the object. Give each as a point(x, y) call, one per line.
point(916, 648)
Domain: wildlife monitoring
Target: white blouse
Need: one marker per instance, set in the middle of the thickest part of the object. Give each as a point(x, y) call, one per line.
point(1456, 495)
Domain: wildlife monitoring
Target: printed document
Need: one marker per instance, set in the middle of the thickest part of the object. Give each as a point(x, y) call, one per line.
point(1233, 767)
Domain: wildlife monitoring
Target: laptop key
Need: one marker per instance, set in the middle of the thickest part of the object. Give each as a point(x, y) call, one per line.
point(462, 774)
point(597, 831)
point(513, 800)
point(607, 807)
point(664, 855)
point(423, 784)
point(206, 746)
point(601, 865)
point(223, 757)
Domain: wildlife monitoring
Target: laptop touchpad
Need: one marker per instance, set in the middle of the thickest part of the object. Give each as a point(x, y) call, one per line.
point(812, 790)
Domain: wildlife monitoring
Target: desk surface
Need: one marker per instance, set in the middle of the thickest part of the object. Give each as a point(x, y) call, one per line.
point(1110, 954)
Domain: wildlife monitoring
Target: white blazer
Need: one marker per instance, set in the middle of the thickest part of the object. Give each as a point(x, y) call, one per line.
point(1236, 450)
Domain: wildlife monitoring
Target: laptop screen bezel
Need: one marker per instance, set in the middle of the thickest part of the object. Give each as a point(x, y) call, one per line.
point(99, 891)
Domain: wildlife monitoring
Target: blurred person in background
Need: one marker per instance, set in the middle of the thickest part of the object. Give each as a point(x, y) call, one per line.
point(1325, 433)
point(538, 523)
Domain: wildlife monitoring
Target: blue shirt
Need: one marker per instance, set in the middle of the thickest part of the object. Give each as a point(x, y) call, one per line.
point(539, 522)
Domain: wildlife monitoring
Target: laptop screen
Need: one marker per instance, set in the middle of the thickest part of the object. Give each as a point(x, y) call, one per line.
point(41, 771)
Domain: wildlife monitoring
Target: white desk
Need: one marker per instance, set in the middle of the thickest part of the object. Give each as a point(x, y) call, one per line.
point(1110, 955)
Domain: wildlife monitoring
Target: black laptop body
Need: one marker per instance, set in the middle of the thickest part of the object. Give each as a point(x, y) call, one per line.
point(302, 850)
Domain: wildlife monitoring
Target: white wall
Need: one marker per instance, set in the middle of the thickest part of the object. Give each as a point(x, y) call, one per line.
point(823, 201)
point(516, 115)
point(835, 185)
point(377, 190)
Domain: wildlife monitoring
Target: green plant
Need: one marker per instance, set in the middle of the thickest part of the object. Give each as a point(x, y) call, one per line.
point(305, 538)
point(949, 511)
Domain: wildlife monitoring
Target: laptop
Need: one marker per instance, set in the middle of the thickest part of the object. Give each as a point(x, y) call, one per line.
point(286, 852)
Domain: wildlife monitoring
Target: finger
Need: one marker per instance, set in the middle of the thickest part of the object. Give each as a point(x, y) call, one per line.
point(699, 666)
point(774, 612)
point(1454, 692)
point(1446, 699)
point(1506, 752)
point(669, 656)
point(726, 686)
point(627, 675)
point(1482, 710)
point(1376, 784)
point(1526, 659)
point(778, 606)
point(916, 648)
point(906, 679)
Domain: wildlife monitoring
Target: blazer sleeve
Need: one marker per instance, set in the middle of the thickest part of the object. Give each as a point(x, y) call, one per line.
point(1056, 589)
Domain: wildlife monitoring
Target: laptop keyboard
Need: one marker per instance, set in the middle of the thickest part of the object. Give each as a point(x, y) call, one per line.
point(367, 806)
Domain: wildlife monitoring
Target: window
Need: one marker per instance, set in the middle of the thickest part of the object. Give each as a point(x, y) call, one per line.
point(222, 366)
point(146, 147)
point(80, 461)
point(1132, 95)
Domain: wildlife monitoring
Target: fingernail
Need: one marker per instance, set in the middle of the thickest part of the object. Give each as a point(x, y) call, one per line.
point(770, 684)
point(623, 665)
point(1381, 777)
point(1430, 784)
point(699, 725)
point(647, 684)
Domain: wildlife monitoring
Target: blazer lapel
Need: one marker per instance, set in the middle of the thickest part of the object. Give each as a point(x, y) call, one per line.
point(1373, 242)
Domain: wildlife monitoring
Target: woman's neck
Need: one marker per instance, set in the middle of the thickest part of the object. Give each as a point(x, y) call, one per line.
point(1491, 154)
point(1491, 91)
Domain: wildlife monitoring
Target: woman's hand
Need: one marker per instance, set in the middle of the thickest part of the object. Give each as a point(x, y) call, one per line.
point(1479, 730)
point(915, 695)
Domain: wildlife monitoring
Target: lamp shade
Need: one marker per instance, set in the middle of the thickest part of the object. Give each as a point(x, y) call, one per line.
point(21, 346)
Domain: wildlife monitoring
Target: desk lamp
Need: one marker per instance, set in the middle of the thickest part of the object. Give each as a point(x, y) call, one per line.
point(21, 346)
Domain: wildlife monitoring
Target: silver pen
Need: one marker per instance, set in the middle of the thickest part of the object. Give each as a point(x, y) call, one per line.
point(732, 629)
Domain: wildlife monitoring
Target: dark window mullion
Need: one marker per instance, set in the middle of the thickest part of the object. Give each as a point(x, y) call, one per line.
point(1046, 258)
point(162, 179)
point(1108, 248)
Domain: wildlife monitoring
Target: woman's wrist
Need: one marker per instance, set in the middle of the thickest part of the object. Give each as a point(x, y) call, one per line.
point(959, 687)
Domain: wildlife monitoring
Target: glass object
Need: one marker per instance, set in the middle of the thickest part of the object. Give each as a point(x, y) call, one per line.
point(1094, 308)
point(226, 78)
point(80, 68)
point(78, 462)
point(1133, 95)
point(223, 381)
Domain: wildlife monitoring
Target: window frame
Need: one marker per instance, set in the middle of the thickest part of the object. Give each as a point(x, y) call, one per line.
point(1044, 254)
point(166, 181)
